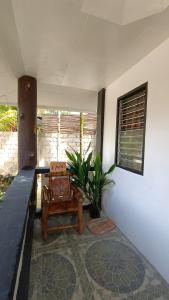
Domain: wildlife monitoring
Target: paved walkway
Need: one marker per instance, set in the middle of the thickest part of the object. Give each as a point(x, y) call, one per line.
point(86, 267)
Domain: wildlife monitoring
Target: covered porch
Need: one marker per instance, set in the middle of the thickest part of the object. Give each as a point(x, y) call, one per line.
point(89, 56)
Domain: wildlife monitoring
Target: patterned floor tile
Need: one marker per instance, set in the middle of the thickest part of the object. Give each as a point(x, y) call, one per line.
point(70, 266)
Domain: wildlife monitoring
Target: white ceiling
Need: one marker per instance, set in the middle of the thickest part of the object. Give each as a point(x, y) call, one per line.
point(75, 47)
point(123, 12)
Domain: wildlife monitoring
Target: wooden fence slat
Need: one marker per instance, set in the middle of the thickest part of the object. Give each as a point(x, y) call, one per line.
point(69, 124)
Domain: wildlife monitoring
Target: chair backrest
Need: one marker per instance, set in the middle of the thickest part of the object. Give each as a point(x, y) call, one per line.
point(60, 188)
point(59, 181)
point(57, 167)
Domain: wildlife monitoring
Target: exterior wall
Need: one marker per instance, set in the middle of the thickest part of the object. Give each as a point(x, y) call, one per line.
point(51, 148)
point(8, 152)
point(140, 204)
point(47, 149)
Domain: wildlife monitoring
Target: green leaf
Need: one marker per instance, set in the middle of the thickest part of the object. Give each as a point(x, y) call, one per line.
point(70, 156)
point(111, 169)
point(89, 158)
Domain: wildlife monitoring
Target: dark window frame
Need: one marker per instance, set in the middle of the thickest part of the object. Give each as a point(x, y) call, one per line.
point(143, 86)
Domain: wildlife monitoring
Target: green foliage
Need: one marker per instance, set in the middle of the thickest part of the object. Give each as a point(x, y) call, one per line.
point(5, 181)
point(8, 118)
point(79, 167)
point(94, 185)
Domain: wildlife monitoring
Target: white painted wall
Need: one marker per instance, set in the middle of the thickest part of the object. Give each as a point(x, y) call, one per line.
point(140, 204)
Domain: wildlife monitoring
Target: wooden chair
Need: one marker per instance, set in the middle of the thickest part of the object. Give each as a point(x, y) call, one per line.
point(61, 197)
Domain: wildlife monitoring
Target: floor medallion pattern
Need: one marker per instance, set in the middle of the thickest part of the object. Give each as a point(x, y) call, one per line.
point(115, 266)
point(57, 277)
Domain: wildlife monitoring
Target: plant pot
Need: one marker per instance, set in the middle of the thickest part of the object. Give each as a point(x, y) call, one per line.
point(86, 203)
point(94, 212)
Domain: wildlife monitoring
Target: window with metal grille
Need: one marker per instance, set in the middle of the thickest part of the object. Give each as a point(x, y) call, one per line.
point(130, 134)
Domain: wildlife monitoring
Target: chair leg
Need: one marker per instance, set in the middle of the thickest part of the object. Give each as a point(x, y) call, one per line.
point(80, 218)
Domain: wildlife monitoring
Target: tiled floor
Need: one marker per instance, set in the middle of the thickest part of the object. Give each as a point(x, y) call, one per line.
point(86, 267)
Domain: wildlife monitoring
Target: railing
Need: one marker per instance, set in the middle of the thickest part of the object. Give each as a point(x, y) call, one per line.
point(17, 213)
point(16, 228)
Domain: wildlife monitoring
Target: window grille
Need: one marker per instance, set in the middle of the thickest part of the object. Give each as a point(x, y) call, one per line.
point(130, 135)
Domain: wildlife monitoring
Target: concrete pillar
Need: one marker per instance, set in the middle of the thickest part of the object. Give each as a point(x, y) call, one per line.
point(27, 116)
point(100, 122)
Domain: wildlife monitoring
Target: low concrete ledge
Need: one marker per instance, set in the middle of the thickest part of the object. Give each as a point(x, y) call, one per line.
point(41, 170)
point(14, 214)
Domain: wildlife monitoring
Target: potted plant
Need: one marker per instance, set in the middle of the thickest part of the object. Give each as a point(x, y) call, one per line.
point(91, 183)
point(96, 185)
